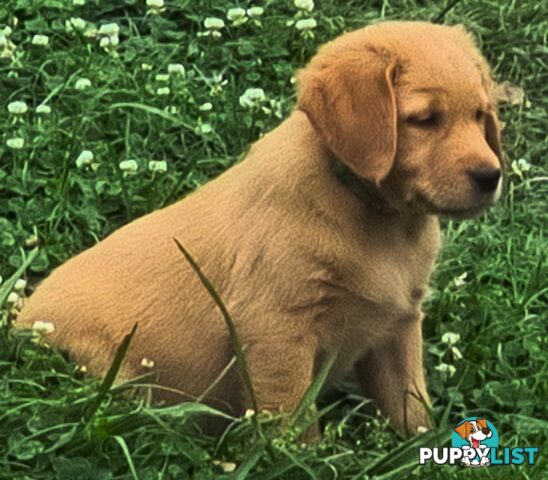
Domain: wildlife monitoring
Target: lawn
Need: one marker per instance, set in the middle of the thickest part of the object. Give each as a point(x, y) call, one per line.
point(111, 109)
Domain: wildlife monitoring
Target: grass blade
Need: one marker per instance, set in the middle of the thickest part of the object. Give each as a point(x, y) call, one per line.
point(7, 287)
point(251, 460)
point(107, 382)
point(406, 454)
point(154, 111)
point(123, 446)
point(313, 390)
point(235, 341)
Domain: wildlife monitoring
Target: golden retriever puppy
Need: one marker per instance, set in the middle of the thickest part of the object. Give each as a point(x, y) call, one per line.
point(321, 240)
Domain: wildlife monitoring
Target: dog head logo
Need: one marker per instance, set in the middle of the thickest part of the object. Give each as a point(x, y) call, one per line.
point(476, 435)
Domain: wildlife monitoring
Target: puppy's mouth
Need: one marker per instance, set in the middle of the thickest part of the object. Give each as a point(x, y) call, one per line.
point(459, 212)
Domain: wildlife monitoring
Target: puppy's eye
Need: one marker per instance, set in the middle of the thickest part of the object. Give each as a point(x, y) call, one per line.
point(427, 121)
point(480, 115)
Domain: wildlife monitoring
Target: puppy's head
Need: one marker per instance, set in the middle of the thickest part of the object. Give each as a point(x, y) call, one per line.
point(409, 107)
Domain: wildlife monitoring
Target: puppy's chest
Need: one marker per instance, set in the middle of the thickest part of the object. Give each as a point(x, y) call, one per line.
point(366, 296)
point(378, 298)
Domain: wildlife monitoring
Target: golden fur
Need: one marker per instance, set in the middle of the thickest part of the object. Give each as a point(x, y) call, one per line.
point(323, 238)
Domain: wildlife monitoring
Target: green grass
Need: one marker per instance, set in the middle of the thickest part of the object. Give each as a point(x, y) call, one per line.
point(46, 200)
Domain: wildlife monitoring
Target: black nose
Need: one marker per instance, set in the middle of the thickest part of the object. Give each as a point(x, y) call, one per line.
point(486, 430)
point(485, 178)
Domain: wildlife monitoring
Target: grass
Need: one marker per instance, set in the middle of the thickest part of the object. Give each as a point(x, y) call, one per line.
point(490, 286)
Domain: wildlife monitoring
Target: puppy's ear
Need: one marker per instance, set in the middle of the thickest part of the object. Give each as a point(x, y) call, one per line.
point(463, 430)
point(492, 135)
point(350, 101)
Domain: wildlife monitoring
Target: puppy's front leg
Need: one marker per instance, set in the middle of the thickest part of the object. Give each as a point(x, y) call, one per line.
point(281, 372)
point(392, 374)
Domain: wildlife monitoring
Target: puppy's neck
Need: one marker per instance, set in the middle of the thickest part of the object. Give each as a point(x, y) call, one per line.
point(368, 193)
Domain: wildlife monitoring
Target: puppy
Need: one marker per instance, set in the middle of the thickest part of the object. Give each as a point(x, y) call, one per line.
point(320, 242)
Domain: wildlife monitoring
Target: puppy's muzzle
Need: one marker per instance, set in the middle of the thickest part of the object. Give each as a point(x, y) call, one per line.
point(485, 179)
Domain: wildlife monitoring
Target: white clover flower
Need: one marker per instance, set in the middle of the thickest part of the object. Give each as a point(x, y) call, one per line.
point(85, 158)
point(13, 298)
point(306, 24)
point(255, 11)
point(109, 29)
point(7, 47)
point(205, 107)
point(43, 328)
point(205, 128)
point(107, 42)
point(249, 413)
point(524, 165)
point(82, 84)
point(79, 3)
point(235, 13)
point(456, 353)
point(521, 166)
point(17, 107)
point(157, 166)
point(31, 241)
point(176, 68)
point(91, 32)
point(20, 285)
point(252, 97)
point(109, 35)
point(446, 369)
point(40, 40)
point(226, 467)
point(236, 16)
point(147, 363)
point(460, 281)
point(15, 143)
point(306, 5)
point(156, 6)
point(214, 23)
point(129, 166)
point(44, 109)
point(162, 77)
point(76, 22)
point(450, 338)
point(163, 91)
point(146, 67)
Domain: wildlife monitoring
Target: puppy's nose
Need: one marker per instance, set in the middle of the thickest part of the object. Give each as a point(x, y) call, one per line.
point(486, 430)
point(486, 178)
